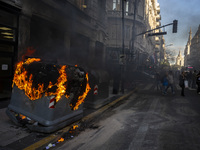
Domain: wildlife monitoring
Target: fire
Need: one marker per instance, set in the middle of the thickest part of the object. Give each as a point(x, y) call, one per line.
point(74, 127)
point(24, 80)
point(61, 140)
point(61, 83)
point(24, 83)
point(22, 116)
point(83, 96)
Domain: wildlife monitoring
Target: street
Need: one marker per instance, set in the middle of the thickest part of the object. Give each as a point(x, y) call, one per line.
point(146, 120)
point(80, 74)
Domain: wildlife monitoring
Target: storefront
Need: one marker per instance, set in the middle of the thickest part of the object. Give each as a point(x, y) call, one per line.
point(8, 47)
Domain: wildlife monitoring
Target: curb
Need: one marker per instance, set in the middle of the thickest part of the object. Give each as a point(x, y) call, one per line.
point(54, 137)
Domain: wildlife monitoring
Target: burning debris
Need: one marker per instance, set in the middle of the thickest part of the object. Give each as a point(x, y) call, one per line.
point(38, 78)
point(68, 135)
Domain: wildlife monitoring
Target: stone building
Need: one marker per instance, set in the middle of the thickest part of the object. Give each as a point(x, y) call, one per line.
point(65, 31)
point(192, 50)
point(139, 16)
point(187, 50)
point(83, 32)
point(179, 59)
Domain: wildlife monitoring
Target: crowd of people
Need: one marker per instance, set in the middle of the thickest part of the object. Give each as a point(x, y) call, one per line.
point(166, 80)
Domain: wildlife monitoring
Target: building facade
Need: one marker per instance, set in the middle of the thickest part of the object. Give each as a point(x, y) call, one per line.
point(78, 32)
point(187, 50)
point(179, 59)
point(71, 32)
point(192, 50)
point(139, 17)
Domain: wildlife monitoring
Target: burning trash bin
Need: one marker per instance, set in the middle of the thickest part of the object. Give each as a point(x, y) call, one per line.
point(47, 96)
point(99, 96)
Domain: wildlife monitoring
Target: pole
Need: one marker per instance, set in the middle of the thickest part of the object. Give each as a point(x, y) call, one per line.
point(133, 29)
point(155, 29)
point(122, 66)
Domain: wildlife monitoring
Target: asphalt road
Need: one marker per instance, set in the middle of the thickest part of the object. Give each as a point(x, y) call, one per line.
point(147, 120)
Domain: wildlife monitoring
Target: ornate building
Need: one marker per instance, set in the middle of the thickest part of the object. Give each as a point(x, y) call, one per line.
point(187, 50)
point(192, 50)
point(179, 59)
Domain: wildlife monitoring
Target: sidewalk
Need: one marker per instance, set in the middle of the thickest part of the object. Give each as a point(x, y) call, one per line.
point(9, 132)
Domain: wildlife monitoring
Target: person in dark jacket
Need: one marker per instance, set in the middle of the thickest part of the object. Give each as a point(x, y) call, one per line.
point(158, 81)
point(194, 75)
point(182, 78)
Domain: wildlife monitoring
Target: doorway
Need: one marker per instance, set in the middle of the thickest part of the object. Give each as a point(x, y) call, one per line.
point(8, 49)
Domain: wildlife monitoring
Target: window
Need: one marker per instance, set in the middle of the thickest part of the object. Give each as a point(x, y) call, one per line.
point(82, 4)
point(126, 7)
point(116, 4)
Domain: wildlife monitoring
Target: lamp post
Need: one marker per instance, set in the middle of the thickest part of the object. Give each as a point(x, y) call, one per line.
point(133, 29)
point(122, 65)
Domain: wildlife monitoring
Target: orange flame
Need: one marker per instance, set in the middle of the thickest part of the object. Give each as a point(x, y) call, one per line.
point(61, 83)
point(74, 127)
point(22, 116)
point(61, 139)
point(83, 96)
point(23, 82)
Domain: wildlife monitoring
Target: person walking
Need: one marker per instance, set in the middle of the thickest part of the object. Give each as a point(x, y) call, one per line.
point(165, 83)
point(198, 83)
point(182, 78)
point(170, 79)
point(190, 79)
point(158, 81)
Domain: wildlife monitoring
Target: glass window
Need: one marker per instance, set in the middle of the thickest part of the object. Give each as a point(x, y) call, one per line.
point(127, 7)
point(116, 4)
point(82, 4)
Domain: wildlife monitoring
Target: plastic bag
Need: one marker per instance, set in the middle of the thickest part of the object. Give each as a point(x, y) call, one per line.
point(186, 83)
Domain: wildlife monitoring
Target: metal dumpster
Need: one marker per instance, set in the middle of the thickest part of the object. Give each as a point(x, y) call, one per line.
point(52, 110)
point(99, 95)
